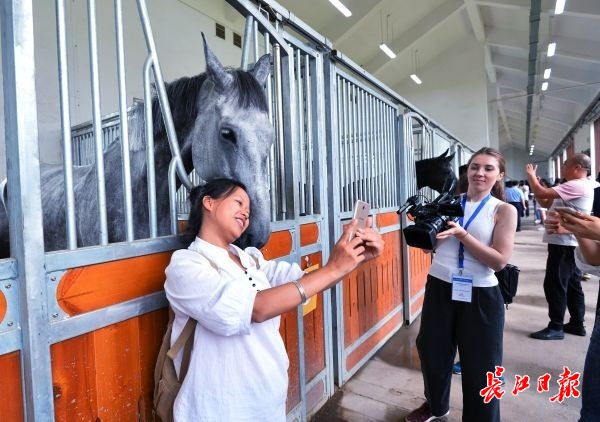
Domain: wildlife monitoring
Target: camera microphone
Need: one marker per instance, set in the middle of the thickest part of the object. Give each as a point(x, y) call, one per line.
point(410, 202)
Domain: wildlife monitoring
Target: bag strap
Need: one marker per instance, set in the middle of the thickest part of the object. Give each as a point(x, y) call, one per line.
point(186, 338)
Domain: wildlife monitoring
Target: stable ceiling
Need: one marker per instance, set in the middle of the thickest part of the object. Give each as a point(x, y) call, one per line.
point(435, 26)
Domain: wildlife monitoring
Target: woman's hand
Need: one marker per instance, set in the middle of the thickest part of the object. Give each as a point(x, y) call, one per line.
point(454, 229)
point(372, 241)
point(581, 225)
point(347, 255)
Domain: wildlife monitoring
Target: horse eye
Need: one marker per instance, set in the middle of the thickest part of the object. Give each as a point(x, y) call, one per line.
point(228, 135)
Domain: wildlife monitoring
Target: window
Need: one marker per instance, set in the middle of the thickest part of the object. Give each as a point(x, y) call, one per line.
point(237, 40)
point(220, 30)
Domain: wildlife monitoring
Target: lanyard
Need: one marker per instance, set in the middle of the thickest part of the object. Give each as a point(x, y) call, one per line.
point(461, 247)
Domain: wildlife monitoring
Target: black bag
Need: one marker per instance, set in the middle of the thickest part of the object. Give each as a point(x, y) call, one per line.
point(508, 280)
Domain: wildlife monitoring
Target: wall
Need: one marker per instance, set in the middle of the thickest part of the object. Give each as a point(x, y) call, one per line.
point(516, 159)
point(177, 29)
point(454, 93)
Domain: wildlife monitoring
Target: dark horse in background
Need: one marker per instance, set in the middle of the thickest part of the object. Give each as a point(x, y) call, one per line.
point(223, 129)
point(437, 173)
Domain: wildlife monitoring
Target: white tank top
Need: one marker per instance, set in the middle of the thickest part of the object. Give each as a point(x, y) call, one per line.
point(445, 260)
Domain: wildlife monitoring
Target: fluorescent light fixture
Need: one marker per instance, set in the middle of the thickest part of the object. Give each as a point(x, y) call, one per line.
point(560, 7)
point(547, 73)
point(551, 49)
point(544, 86)
point(387, 50)
point(343, 9)
point(416, 79)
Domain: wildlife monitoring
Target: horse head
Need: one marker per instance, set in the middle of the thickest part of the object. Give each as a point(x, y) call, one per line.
point(232, 136)
point(436, 173)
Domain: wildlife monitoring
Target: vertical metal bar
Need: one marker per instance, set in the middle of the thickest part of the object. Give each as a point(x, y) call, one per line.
point(246, 43)
point(370, 149)
point(255, 35)
point(301, 140)
point(151, 176)
point(24, 197)
point(354, 99)
point(347, 161)
point(162, 94)
point(63, 78)
point(97, 121)
point(309, 135)
point(280, 134)
point(173, 195)
point(362, 140)
point(126, 164)
point(340, 122)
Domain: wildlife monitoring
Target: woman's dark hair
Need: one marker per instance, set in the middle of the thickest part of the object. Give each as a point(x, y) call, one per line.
point(216, 189)
point(498, 188)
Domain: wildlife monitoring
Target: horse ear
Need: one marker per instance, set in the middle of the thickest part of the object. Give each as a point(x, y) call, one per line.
point(444, 153)
point(262, 68)
point(450, 157)
point(215, 70)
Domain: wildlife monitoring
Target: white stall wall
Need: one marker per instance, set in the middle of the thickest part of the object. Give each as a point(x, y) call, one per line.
point(177, 26)
point(454, 93)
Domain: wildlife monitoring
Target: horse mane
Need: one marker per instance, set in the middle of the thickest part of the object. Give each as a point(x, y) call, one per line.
point(183, 98)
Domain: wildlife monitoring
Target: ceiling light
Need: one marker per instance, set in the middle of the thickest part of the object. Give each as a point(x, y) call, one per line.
point(343, 9)
point(544, 86)
point(547, 73)
point(387, 50)
point(551, 49)
point(416, 79)
point(560, 7)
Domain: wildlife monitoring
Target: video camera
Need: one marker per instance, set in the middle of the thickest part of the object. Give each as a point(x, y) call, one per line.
point(430, 218)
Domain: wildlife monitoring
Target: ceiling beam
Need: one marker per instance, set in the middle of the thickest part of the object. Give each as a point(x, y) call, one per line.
point(412, 35)
point(358, 23)
point(479, 31)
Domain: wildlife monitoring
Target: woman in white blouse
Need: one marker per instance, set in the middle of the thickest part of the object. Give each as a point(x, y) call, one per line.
point(238, 368)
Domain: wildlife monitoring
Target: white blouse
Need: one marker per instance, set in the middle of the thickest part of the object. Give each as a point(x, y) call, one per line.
point(238, 368)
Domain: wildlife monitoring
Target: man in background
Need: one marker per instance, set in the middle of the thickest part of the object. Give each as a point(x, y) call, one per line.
point(514, 196)
point(562, 282)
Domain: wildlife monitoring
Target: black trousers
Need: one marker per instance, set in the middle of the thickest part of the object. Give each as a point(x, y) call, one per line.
point(562, 286)
point(476, 328)
point(519, 207)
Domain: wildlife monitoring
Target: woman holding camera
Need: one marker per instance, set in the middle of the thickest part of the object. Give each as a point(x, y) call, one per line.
point(463, 307)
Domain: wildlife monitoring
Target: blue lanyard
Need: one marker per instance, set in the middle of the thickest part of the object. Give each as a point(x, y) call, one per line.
point(461, 247)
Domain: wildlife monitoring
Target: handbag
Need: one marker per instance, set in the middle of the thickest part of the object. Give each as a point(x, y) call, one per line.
point(508, 281)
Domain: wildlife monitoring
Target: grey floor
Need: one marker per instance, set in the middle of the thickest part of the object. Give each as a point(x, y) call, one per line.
point(390, 384)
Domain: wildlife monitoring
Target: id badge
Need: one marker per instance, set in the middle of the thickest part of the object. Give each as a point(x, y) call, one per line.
point(462, 287)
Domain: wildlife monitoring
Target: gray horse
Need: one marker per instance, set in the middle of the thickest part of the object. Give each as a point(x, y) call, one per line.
point(223, 129)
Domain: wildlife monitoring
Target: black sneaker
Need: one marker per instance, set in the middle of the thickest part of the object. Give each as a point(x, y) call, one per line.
point(548, 334)
point(575, 329)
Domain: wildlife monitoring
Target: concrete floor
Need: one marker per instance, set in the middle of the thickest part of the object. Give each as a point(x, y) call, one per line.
point(390, 384)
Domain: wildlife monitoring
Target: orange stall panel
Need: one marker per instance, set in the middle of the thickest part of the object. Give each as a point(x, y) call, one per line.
point(11, 405)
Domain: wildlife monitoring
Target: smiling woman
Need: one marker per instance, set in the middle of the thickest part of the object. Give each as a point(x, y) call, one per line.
point(237, 296)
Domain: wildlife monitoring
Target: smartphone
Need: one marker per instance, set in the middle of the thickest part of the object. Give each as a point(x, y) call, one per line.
point(566, 210)
point(361, 213)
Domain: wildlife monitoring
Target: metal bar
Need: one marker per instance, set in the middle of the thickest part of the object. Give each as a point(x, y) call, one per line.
point(126, 164)
point(97, 121)
point(340, 118)
point(347, 159)
point(280, 131)
point(24, 197)
point(246, 47)
point(354, 158)
point(152, 217)
point(162, 95)
point(309, 134)
point(255, 34)
point(301, 139)
point(173, 195)
point(63, 78)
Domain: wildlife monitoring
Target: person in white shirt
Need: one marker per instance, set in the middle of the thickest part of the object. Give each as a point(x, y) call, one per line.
point(238, 367)
point(463, 307)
